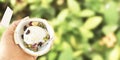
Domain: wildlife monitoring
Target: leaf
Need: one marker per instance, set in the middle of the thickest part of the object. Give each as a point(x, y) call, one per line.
point(58, 37)
point(62, 16)
point(74, 22)
point(52, 56)
point(109, 29)
point(114, 54)
point(77, 53)
point(111, 14)
point(118, 37)
point(86, 34)
point(93, 4)
point(79, 58)
point(41, 12)
point(86, 47)
point(33, 1)
point(87, 13)
point(97, 57)
point(34, 7)
point(45, 3)
point(2, 0)
point(66, 53)
point(73, 6)
point(73, 41)
point(2, 29)
point(18, 5)
point(42, 58)
point(92, 22)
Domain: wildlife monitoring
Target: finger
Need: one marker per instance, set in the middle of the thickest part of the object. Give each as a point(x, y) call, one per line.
point(9, 31)
point(7, 37)
point(12, 27)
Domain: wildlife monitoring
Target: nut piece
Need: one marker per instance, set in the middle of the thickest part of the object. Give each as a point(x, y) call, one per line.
point(41, 25)
point(47, 37)
point(35, 23)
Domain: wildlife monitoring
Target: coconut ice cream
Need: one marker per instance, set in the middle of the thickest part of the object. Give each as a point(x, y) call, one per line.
point(34, 35)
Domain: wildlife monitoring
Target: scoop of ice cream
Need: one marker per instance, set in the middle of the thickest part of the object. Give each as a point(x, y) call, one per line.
point(34, 34)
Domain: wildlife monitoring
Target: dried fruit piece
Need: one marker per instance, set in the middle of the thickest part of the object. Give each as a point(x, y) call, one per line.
point(28, 31)
point(25, 27)
point(30, 23)
point(34, 47)
point(22, 36)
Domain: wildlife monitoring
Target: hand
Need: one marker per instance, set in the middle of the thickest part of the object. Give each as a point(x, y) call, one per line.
point(8, 49)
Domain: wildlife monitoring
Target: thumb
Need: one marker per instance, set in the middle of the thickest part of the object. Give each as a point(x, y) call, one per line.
point(11, 28)
point(7, 36)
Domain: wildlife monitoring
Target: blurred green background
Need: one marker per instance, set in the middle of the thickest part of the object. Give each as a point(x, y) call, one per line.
point(84, 29)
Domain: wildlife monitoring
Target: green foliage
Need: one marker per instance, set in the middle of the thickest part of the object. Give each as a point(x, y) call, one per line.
point(96, 56)
point(114, 53)
point(66, 53)
point(92, 22)
point(73, 6)
point(111, 14)
point(87, 13)
point(82, 28)
point(2, 29)
point(109, 28)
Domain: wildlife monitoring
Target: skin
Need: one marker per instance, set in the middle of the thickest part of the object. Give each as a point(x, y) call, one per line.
point(8, 49)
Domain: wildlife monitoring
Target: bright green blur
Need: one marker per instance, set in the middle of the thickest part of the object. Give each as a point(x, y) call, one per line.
point(84, 29)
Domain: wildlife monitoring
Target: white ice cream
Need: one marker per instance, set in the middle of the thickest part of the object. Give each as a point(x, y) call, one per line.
point(35, 35)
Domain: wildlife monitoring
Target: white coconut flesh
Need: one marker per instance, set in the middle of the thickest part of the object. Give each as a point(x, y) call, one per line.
point(34, 36)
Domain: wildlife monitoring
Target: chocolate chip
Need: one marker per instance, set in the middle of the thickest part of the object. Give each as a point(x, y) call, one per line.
point(40, 43)
point(25, 27)
point(28, 31)
point(22, 36)
point(30, 23)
